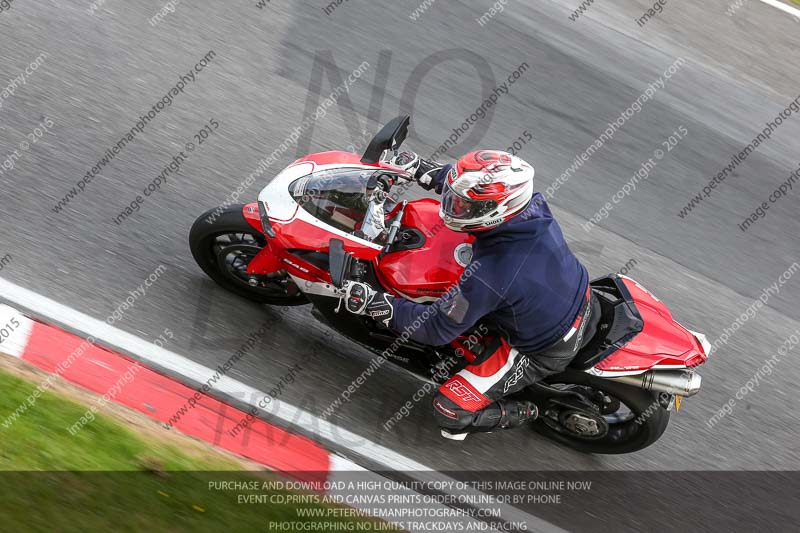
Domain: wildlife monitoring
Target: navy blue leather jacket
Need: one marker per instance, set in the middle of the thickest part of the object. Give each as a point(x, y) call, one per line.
point(523, 274)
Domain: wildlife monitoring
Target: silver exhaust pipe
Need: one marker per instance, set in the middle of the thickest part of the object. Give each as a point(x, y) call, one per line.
point(680, 382)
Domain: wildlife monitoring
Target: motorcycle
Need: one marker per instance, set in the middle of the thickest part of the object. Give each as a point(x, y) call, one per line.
point(330, 218)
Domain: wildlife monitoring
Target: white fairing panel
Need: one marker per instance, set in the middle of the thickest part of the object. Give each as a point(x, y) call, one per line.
point(281, 204)
point(282, 208)
point(703, 341)
point(594, 371)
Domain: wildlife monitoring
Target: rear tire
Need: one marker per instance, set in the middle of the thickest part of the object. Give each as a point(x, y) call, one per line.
point(224, 265)
point(648, 421)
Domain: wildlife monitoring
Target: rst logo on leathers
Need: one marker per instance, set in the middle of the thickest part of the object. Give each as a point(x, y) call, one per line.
point(584, 320)
point(519, 371)
point(462, 391)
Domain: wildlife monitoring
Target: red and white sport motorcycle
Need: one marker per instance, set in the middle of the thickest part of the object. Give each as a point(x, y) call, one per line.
point(329, 217)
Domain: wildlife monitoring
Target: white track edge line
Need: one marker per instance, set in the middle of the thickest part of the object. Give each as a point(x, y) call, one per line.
point(783, 7)
point(294, 416)
point(15, 330)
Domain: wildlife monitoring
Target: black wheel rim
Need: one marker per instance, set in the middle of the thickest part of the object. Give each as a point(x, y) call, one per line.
point(232, 252)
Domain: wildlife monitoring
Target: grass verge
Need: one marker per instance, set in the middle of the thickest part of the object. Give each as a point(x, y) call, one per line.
point(122, 472)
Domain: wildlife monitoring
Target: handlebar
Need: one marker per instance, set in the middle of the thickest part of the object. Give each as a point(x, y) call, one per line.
point(380, 178)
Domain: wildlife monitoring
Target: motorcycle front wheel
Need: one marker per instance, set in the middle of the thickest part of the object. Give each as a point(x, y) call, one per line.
point(223, 244)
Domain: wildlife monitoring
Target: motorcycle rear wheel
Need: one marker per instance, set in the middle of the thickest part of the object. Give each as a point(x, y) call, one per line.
point(224, 247)
point(637, 419)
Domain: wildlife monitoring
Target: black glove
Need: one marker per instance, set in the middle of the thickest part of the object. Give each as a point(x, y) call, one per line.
point(361, 299)
point(426, 171)
point(421, 170)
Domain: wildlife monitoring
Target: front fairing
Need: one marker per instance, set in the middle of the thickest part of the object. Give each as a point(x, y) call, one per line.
point(320, 197)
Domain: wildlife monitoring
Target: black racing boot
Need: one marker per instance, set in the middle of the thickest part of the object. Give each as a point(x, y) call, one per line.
point(516, 413)
point(511, 414)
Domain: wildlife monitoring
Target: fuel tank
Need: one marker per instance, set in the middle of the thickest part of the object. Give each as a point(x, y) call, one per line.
point(432, 261)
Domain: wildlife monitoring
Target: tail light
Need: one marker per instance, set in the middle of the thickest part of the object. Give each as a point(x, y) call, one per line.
point(705, 350)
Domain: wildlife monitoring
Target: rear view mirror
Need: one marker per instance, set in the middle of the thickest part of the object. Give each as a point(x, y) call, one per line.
point(390, 137)
point(339, 262)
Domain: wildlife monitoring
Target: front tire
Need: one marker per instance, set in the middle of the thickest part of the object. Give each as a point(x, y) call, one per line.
point(224, 243)
point(638, 420)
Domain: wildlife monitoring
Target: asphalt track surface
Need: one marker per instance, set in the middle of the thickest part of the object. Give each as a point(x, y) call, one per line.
point(104, 69)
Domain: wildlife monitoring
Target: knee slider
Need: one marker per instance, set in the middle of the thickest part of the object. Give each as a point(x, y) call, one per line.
point(449, 415)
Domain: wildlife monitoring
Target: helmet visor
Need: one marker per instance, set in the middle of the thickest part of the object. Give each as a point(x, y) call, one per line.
point(460, 208)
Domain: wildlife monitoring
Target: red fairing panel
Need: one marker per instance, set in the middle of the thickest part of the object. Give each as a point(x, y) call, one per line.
point(428, 271)
point(250, 212)
point(297, 234)
point(662, 342)
point(266, 262)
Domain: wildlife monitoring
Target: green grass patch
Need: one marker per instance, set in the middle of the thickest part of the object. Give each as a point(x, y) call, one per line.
point(109, 478)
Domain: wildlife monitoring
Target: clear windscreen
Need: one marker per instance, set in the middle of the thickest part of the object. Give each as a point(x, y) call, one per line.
point(337, 197)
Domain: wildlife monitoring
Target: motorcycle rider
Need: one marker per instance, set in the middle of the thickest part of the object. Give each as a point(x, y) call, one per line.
point(524, 280)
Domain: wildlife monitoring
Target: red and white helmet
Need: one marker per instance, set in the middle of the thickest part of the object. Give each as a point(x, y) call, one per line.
point(484, 189)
